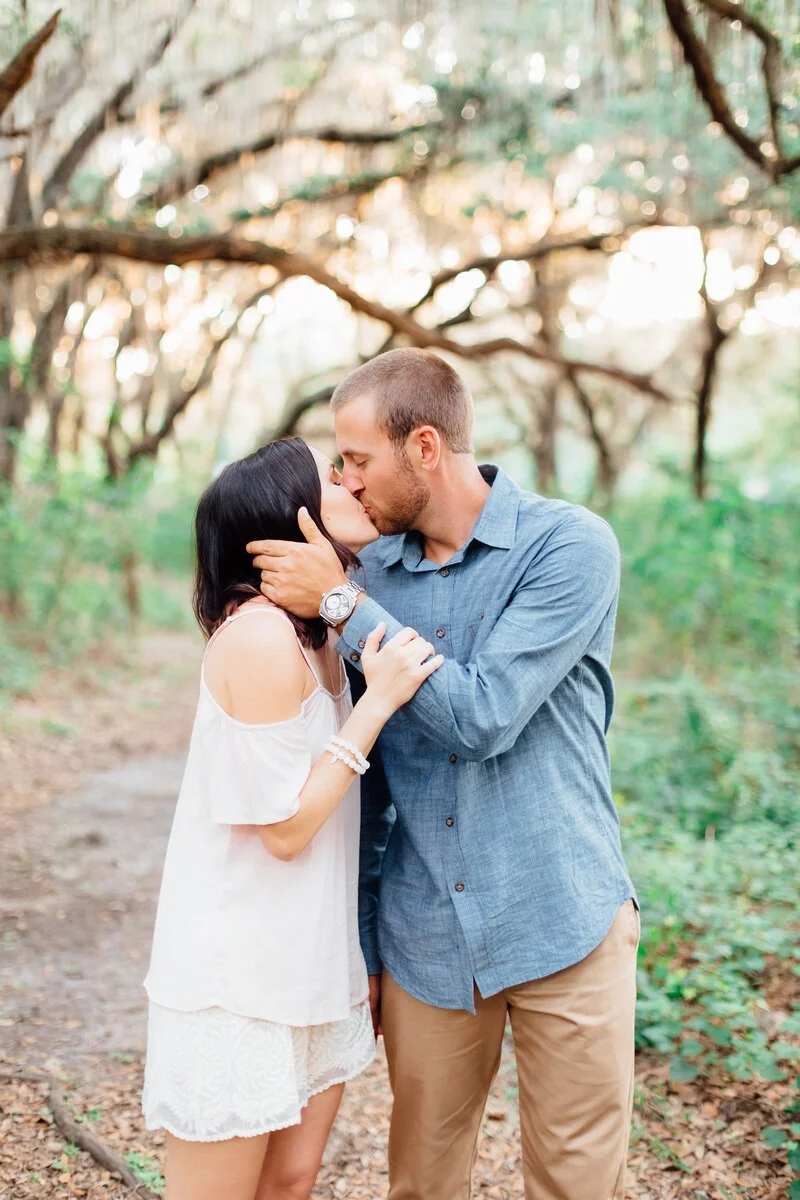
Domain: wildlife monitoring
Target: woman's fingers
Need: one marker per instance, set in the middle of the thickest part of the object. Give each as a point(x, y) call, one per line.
point(432, 664)
point(375, 638)
point(403, 637)
point(418, 650)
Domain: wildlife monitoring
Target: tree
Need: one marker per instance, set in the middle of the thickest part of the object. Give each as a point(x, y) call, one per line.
point(489, 148)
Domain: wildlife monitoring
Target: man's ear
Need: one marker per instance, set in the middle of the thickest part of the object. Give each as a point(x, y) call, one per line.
point(425, 444)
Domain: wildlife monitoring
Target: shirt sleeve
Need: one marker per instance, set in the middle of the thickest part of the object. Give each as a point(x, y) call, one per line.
point(479, 708)
point(259, 774)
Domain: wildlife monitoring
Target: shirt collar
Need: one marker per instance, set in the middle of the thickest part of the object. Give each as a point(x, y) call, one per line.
point(496, 525)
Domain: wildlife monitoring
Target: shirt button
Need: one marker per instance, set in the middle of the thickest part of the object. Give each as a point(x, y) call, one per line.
point(362, 643)
point(449, 822)
point(453, 758)
point(445, 571)
point(459, 887)
point(440, 633)
point(354, 657)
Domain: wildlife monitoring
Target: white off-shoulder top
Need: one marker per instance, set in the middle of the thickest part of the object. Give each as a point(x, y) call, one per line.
point(237, 928)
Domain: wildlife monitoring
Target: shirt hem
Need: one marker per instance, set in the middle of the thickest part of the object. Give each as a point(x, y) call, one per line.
point(527, 974)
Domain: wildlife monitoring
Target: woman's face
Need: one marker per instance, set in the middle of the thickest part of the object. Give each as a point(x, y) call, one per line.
point(342, 515)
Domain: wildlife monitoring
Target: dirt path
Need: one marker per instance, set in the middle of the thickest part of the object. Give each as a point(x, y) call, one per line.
point(79, 897)
point(80, 887)
point(80, 862)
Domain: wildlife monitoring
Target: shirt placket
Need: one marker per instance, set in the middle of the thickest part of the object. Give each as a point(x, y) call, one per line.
point(445, 584)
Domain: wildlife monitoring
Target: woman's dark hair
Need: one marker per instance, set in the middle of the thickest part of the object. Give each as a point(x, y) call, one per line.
point(253, 498)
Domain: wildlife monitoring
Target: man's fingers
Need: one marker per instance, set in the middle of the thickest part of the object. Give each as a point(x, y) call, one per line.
point(374, 639)
point(309, 528)
point(269, 591)
point(270, 549)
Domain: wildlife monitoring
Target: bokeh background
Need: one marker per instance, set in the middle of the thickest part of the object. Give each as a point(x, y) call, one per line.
point(210, 212)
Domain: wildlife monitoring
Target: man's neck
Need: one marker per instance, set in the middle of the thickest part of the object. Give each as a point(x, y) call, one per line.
point(455, 506)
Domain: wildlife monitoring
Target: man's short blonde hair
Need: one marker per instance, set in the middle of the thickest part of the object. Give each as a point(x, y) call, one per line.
point(411, 388)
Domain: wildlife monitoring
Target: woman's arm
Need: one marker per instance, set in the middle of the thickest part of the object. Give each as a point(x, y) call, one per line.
point(393, 675)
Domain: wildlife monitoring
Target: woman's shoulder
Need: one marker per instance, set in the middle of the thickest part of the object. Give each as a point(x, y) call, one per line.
point(257, 662)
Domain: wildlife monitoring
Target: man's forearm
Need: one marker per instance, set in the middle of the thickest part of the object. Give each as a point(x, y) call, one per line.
point(360, 598)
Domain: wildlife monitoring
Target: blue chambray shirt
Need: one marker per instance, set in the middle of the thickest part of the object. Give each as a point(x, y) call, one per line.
point(490, 848)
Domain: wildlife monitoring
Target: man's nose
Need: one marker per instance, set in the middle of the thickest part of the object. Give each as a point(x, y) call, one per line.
point(351, 481)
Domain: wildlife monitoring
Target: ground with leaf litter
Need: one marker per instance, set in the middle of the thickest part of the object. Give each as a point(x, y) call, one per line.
point(89, 769)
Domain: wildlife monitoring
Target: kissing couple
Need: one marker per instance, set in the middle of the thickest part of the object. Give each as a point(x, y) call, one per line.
point(396, 816)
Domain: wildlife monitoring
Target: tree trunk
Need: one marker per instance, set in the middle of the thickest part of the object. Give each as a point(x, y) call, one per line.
point(13, 399)
point(544, 452)
point(708, 371)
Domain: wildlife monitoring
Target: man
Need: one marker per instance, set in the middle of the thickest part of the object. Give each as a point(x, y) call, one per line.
point(493, 879)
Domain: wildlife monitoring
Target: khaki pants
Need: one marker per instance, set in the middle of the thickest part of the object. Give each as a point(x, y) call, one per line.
point(573, 1039)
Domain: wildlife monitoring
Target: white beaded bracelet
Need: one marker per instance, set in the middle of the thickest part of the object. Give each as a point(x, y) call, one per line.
point(337, 752)
point(351, 749)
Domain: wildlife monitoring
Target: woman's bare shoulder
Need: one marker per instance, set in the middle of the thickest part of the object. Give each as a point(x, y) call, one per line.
point(258, 665)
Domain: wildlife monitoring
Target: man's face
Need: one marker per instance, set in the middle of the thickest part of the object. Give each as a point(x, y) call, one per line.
point(378, 473)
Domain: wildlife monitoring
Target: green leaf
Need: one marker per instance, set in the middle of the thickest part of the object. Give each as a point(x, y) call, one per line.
point(793, 1158)
point(774, 1137)
point(681, 1071)
point(794, 1190)
point(690, 1048)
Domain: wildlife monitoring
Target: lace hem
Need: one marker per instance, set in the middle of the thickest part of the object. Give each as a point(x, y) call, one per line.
point(212, 1075)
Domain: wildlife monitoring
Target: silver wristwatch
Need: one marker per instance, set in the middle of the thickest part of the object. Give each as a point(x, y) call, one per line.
point(338, 604)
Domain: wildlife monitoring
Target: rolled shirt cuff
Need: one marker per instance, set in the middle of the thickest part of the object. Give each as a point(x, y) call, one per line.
point(357, 629)
point(369, 948)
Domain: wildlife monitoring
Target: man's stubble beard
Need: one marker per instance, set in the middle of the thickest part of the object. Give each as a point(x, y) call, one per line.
point(408, 502)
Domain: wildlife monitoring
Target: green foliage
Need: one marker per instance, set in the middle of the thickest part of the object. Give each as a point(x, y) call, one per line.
point(146, 1171)
point(71, 547)
point(706, 750)
point(786, 1138)
point(710, 595)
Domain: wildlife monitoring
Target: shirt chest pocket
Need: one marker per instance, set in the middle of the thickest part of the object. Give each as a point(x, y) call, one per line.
point(470, 635)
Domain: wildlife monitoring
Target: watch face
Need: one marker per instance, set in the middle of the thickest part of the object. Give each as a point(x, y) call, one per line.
point(337, 605)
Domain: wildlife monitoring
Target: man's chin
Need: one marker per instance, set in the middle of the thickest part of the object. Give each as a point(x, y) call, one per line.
point(387, 528)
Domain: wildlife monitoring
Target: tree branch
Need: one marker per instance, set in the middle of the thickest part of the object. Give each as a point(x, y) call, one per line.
point(107, 112)
point(337, 187)
point(191, 176)
point(712, 91)
point(35, 244)
point(181, 396)
point(539, 250)
point(14, 77)
point(606, 468)
point(277, 51)
point(79, 1135)
point(770, 64)
point(297, 409)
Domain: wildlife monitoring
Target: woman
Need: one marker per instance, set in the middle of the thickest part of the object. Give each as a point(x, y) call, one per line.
point(258, 990)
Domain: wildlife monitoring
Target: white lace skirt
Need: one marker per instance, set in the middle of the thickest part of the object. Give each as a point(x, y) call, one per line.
point(212, 1075)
